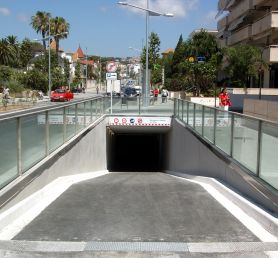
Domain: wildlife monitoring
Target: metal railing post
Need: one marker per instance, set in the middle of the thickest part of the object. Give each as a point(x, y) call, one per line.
point(259, 149)
point(187, 111)
point(175, 107)
point(194, 115)
point(65, 125)
point(139, 105)
point(47, 133)
point(19, 149)
point(75, 120)
point(179, 108)
point(91, 111)
point(203, 120)
point(214, 127)
point(232, 134)
point(182, 103)
point(84, 113)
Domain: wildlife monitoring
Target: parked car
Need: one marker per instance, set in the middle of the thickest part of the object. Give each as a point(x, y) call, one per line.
point(77, 90)
point(130, 93)
point(61, 95)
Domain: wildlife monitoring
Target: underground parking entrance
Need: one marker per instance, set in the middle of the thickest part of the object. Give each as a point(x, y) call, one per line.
point(135, 149)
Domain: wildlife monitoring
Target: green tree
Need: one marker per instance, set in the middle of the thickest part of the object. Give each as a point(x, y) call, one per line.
point(154, 48)
point(58, 28)
point(198, 77)
point(178, 57)
point(202, 44)
point(7, 53)
point(57, 78)
point(35, 79)
point(5, 73)
point(167, 65)
point(67, 70)
point(40, 23)
point(91, 73)
point(14, 45)
point(242, 64)
point(77, 74)
point(25, 52)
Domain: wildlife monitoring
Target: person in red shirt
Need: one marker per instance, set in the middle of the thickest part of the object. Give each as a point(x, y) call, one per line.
point(224, 99)
point(155, 93)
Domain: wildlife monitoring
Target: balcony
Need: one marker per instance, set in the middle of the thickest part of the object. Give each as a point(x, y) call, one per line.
point(265, 24)
point(240, 9)
point(261, 2)
point(270, 54)
point(222, 23)
point(242, 35)
point(222, 4)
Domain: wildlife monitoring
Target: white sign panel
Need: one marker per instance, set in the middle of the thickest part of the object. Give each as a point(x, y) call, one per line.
point(111, 76)
point(140, 121)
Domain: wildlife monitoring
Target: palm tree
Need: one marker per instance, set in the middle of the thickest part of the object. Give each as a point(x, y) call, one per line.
point(58, 28)
point(14, 46)
point(40, 22)
point(7, 52)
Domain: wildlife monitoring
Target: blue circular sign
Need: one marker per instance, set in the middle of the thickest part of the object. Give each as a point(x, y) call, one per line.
point(132, 120)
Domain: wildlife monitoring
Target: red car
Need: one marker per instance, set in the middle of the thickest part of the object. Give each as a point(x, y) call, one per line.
point(61, 95)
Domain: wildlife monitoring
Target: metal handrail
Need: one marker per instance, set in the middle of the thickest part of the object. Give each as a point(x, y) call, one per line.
point(35, 110)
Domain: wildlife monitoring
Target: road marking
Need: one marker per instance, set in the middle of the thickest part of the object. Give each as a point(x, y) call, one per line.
point(245, 219)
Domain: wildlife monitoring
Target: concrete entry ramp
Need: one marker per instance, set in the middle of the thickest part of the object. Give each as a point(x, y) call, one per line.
point(136, 207)
point(137, 215)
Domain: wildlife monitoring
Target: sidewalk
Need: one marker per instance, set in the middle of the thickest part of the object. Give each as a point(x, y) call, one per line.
point(14, 107)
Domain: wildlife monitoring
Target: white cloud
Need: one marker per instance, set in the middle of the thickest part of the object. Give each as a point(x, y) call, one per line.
point(4, 11)
point(179, 8)
point(22, 17)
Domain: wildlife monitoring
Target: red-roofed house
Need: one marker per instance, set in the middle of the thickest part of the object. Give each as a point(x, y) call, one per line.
point(80, 57)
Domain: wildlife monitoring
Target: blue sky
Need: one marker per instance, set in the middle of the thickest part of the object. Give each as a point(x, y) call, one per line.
point(107, 29)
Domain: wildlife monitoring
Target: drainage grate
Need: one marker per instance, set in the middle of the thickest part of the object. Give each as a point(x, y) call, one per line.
point(217, 247)
point(137, 246)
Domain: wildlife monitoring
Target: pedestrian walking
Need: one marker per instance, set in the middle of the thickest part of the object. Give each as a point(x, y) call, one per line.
point(224, 100)
point(164, 95)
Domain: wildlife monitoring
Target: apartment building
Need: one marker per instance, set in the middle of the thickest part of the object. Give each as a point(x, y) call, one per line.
point(252, 22)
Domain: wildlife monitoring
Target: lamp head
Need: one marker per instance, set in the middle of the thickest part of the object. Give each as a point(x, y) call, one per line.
point(122, 3)
point(169, 15)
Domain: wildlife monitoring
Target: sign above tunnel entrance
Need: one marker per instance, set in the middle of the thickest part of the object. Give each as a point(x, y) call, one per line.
point(139, 121)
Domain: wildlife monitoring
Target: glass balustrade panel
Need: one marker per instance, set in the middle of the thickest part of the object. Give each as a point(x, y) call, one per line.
point(223, 132)
point(245, 141)
point(198, 118)
point(70, 121)
point(269, 150)
point(33, 141)
point(56, 128)
point(8, 151)
point(209, 123)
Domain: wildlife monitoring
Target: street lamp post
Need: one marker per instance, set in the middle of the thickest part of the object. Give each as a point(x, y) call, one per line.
point(148, 14)
point(86, 69)
point(49, 64)
point(49, 57)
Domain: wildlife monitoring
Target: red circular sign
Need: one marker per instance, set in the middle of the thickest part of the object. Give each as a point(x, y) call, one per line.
point(140, 120)
point(111, 67)
point(124, 120)
point(116, 120)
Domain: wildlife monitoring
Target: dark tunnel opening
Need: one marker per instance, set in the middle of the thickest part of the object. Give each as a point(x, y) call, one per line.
point(135, 152)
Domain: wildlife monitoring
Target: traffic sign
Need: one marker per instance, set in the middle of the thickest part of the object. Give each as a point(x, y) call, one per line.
point(111, 76)
point(111, 67)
